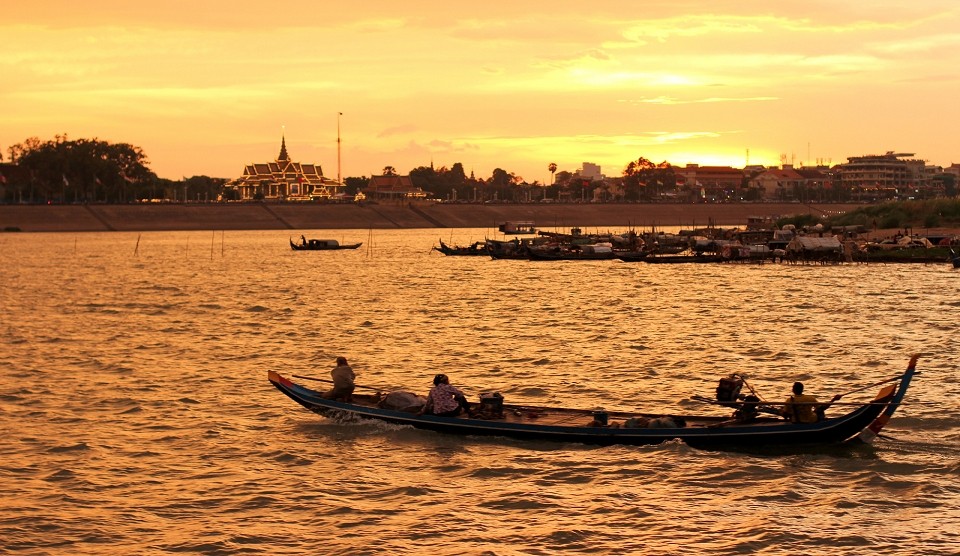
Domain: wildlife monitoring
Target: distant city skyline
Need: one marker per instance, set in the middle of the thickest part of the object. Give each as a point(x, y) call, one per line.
point(210, 89)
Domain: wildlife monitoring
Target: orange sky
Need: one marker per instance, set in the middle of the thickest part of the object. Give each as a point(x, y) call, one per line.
point(205, 87)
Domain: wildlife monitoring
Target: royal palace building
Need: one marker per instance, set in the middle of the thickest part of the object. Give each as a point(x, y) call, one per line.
point(285, 180)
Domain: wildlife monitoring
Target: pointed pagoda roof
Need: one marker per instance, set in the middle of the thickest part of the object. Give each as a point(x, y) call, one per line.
point(283, 150)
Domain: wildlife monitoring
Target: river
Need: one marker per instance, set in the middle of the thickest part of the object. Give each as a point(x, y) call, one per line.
point(138, 418)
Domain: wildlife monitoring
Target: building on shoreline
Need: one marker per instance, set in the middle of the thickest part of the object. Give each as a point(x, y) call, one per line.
point(889, 176)
point(391, 188)
point(285, 180)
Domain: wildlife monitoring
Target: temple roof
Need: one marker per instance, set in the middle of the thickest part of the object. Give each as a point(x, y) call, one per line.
point(283, 170)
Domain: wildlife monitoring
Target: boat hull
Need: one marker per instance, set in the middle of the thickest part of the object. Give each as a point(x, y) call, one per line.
point(476, 249)
point(575, 425)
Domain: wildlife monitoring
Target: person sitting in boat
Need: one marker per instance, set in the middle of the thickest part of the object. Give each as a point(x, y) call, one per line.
point(748, 410)
point(343, 377)
point(445, 400)
point(803, 408)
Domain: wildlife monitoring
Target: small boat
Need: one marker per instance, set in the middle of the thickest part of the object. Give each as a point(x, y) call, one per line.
point(515, 248)
point(320, 245)
point(681, 259)
point(955, 259)
point(476, 248)
point(571, 253)
point(491, 417)
point(632, 256)
point(518, 228)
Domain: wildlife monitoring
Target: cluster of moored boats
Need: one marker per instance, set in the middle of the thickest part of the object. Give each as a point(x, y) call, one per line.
point(788, 244)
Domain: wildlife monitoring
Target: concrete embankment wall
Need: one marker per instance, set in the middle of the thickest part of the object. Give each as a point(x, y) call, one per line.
point(267, 216)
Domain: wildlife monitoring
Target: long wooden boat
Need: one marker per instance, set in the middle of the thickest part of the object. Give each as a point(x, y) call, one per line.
point(321, 245)
point(475, 249)
point(862, 423)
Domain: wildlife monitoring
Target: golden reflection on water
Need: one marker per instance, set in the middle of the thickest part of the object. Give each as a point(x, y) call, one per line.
point(140, 420)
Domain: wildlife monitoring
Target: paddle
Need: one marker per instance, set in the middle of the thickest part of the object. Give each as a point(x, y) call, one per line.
point(331, 382)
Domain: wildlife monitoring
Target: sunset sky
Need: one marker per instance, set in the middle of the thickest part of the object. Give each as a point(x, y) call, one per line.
point(205, 87)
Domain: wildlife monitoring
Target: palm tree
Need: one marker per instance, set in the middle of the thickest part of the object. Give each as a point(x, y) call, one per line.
point(553, 169)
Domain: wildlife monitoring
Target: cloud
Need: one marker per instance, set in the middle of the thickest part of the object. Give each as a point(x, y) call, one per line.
point(918, 44)
point(671, 100)
point(404, 129)
point(378, 25)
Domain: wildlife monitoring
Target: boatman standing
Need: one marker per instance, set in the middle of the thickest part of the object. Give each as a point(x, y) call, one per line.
point(343, 377)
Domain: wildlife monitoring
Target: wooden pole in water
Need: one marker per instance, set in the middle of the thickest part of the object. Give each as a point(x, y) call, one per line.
point(213, 237)
point(136, 250)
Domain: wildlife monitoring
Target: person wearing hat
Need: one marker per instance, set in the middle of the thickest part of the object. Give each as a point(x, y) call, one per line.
point(343, 377)
point(445, 400)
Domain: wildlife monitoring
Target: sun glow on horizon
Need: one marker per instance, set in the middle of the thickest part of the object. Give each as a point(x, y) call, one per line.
point(422, 82)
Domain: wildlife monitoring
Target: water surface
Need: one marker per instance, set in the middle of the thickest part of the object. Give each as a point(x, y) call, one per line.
point(137, 416)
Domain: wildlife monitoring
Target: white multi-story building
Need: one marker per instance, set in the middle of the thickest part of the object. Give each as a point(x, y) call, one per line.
point(884, 176)
point(591, 171)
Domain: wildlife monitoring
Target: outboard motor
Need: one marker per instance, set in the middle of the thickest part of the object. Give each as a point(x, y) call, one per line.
point(728, 391)
point(491, 405)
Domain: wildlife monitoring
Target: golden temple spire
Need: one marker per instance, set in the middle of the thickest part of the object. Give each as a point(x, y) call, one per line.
point(283, 150)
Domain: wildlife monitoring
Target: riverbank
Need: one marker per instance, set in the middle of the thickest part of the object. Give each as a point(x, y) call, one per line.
point(265, 216)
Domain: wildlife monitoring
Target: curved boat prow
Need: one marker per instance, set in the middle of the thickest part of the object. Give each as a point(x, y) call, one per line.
point(869, 434)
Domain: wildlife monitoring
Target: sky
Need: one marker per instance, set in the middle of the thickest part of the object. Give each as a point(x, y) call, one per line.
point(206, 87)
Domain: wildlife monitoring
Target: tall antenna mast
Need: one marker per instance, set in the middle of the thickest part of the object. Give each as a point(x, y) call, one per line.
point(338, 147)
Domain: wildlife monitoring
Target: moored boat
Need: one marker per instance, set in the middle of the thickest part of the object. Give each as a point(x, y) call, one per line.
point(518, 228)
point(320, 245)
point(574, 252)
point(681, 259)
point(862, 423)
point(474, 249)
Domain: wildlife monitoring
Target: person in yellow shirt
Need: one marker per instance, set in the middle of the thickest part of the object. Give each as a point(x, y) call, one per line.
point(343, 385)
point(803, 408)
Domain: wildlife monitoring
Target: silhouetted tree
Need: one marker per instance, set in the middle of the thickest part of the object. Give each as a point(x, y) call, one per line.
point(354, 184)
point(642, 179)
point(84, 170)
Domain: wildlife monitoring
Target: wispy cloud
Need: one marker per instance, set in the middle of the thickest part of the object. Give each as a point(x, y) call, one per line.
point(675, 101)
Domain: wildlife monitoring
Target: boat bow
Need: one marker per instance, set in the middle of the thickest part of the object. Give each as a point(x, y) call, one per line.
point(869, 434)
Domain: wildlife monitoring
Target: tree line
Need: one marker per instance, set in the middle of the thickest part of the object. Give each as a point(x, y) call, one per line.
point(63, 170)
